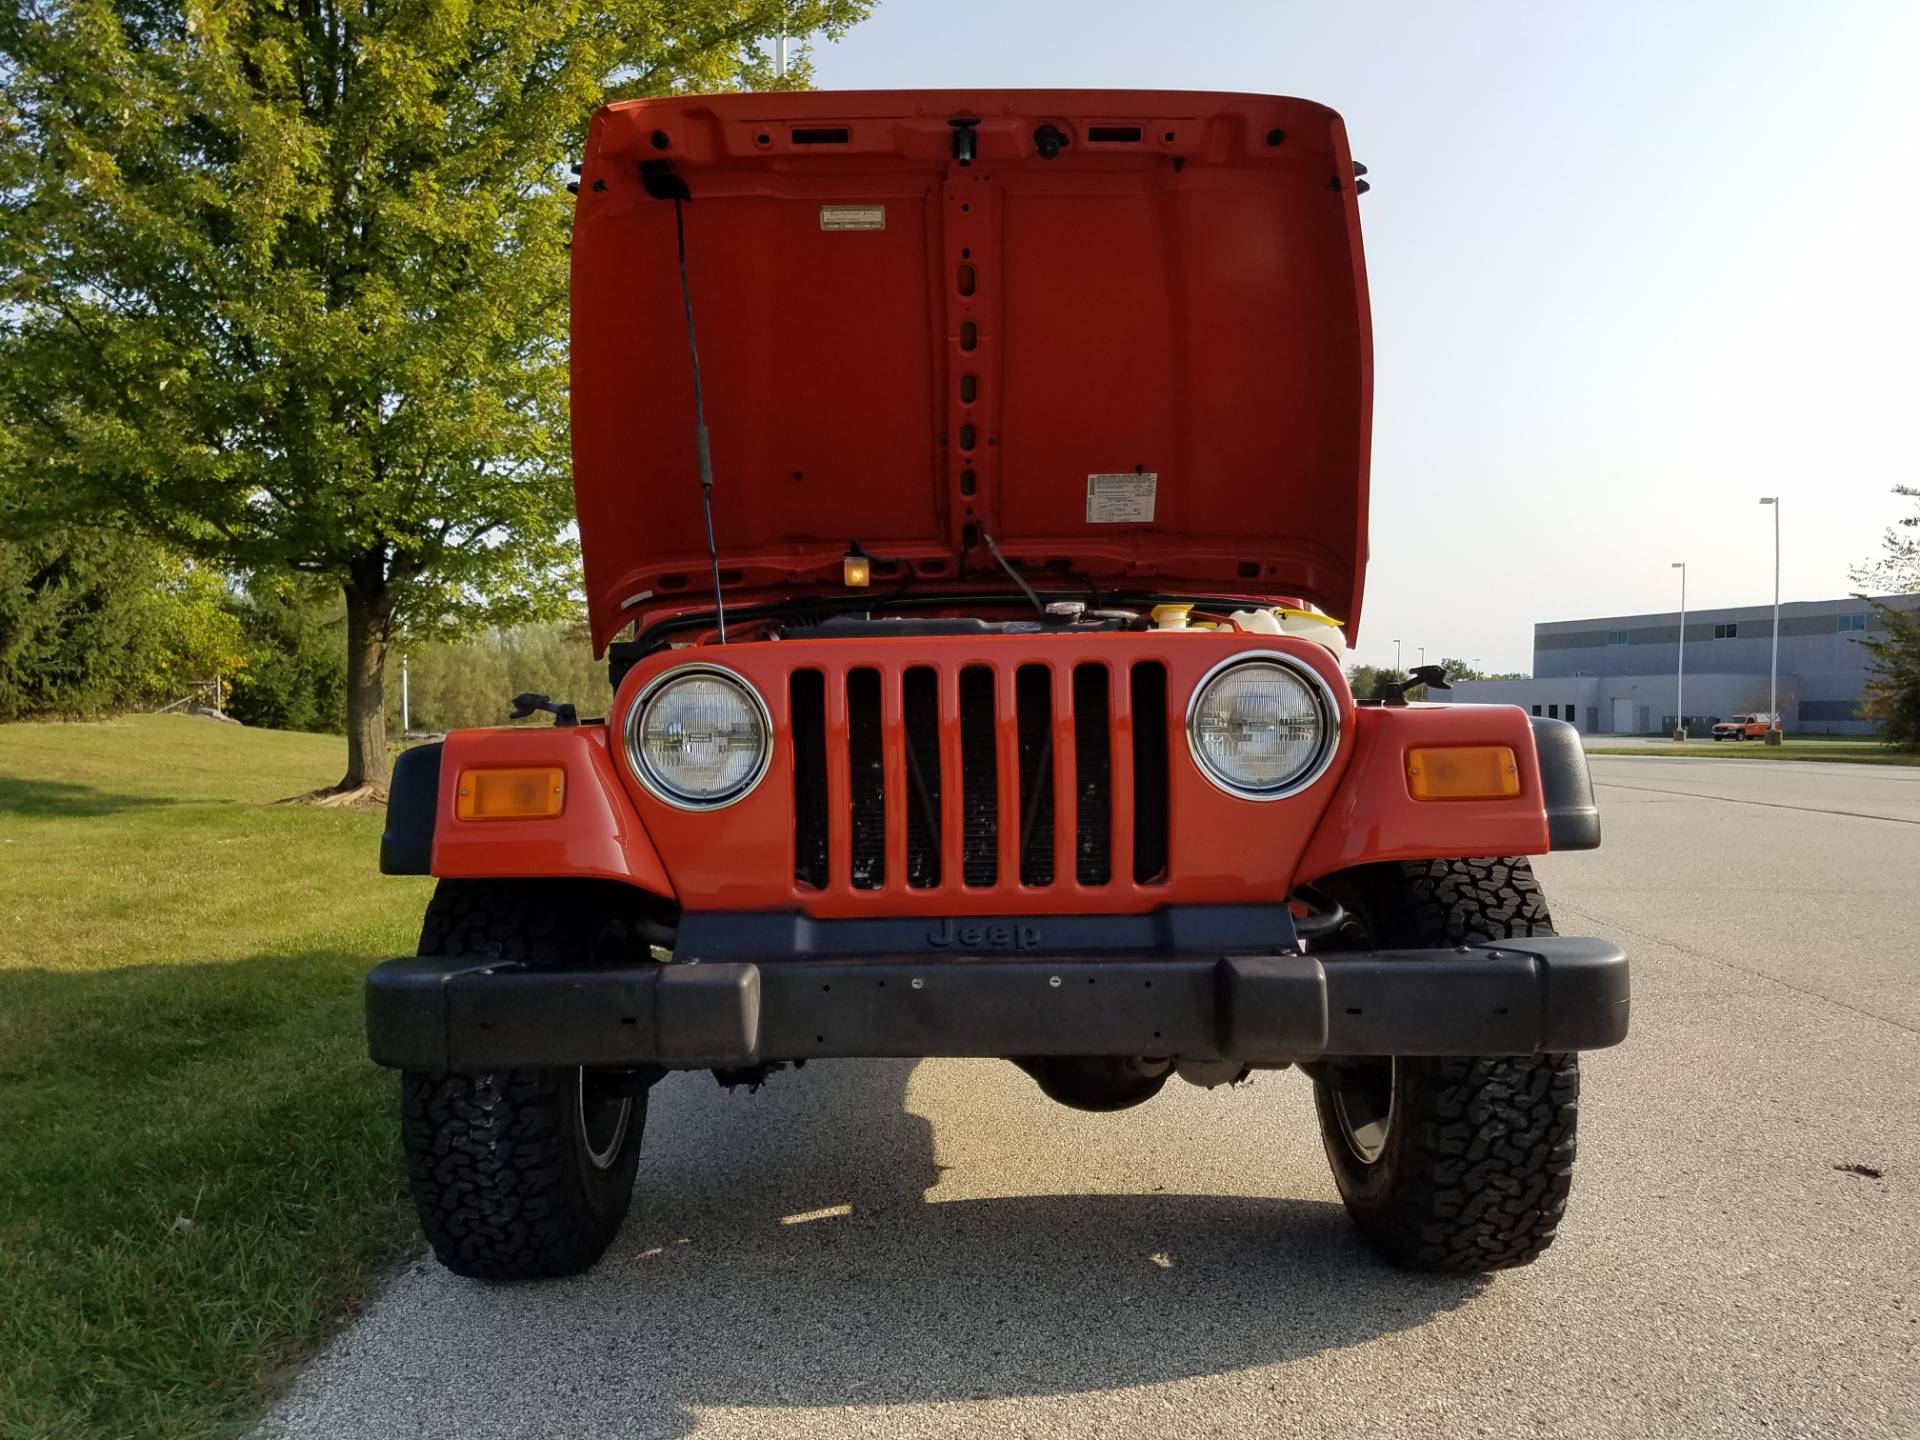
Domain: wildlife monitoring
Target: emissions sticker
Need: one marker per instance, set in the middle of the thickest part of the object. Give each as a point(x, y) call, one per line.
point(853, 217)
point(1121, 499)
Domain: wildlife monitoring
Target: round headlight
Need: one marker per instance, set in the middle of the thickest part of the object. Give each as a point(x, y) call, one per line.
point(699, 738)
point(1262, 728)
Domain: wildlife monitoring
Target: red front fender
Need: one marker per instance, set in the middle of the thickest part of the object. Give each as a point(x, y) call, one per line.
point(1373, 816)
point(596, 835)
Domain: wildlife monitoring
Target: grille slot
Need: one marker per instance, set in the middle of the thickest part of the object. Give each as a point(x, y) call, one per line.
point(1150, 760)
point(1092, 776)
point(1033, 702)
point(866, 762)
point(807, 691)
point(920, 703)
point(979, 779)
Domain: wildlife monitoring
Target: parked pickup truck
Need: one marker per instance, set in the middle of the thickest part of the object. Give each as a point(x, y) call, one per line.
point(972, 492)
point(1743, 727)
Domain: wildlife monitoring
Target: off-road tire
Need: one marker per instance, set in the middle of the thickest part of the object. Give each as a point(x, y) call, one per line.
point(507, 1184)
point(1477, 1159)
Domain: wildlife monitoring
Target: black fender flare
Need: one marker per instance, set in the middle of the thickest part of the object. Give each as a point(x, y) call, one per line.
point(1573, 820)
point(413, 799)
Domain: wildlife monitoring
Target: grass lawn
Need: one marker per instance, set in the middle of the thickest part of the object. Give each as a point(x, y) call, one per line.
point(1807, 747)
point(199, 1172)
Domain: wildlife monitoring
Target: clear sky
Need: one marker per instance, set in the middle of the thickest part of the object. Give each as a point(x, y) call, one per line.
point(1633, 265)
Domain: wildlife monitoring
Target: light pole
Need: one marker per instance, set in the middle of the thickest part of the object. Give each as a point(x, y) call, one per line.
point(1680, 670)
point(1423, 654)
point(1396, 655)
point(1773, 674)
point(406, 717)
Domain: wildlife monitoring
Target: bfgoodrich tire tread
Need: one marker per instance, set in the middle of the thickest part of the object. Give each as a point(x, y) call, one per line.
point(496, 1161)
point(1479, 1158)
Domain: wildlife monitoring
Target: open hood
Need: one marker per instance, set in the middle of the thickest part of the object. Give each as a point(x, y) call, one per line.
point(1125, 333)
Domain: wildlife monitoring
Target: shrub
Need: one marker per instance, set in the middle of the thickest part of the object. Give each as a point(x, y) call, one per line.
point(82, 627)
point(296, 675)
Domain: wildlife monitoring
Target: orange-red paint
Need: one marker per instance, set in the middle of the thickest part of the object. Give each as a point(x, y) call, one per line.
point(906, 352)
point(596, 836)
point(1189, 303)
point(741, 857)
point(1223, 849)
point(1373, 816)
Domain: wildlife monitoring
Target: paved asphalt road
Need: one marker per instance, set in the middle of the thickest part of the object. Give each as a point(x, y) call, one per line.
point(883, 1249)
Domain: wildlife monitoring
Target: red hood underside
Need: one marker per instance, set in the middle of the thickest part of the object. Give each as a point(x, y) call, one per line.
point(1146, 359)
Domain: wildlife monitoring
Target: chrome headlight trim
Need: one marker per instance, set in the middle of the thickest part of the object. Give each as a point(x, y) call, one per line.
point(1325, 703)
point(636, 718)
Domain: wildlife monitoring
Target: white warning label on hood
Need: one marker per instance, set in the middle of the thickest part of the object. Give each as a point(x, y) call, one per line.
point(1121, 499)
point(853, 217)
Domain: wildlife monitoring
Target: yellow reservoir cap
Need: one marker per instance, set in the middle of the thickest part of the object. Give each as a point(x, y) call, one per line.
point(1462, 772)
point(510, 794)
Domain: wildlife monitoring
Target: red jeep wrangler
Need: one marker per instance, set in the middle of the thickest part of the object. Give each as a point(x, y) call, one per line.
point(972, 699)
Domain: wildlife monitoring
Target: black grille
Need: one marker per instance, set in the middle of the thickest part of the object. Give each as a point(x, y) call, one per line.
point(808, 690)
point(920, 697)
point(1149, 772)
point(866, 760)
point(1092, 777)
point(979, 779)
point(1033, 704)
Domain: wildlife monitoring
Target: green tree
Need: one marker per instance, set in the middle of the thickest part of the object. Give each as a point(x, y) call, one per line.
point(283, 282)
point(200, 632)
point(92, 622)
point(1369, 682)
point(1462, 670)
point(296, 673)
point(78, 629)
point(1893, 686)
point(470, 681)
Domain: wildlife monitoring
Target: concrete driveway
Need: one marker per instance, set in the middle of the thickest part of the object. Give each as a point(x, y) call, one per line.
point(881, 1249)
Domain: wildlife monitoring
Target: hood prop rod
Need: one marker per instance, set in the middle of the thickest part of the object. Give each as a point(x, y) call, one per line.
point(1018, 578)
point(700, 424)
point(662, 184)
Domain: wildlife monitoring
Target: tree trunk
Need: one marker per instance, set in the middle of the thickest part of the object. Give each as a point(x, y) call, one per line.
point(369, 632)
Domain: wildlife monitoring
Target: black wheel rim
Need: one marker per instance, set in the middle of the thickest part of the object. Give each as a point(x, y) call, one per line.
point(604, 1118)
point(1363, 1110)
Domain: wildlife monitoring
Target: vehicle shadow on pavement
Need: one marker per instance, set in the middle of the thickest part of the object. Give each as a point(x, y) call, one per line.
point(784, 1251)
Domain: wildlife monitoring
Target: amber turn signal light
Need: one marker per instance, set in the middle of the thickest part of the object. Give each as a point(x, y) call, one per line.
point(510, 794)
point(1463, 772)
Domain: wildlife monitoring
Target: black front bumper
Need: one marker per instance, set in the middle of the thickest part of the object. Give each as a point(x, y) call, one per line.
point(1517, 997)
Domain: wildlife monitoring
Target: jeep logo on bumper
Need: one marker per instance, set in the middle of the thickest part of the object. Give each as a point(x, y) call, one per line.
point(945, 933)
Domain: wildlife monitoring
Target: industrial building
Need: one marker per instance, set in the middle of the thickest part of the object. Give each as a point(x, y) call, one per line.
point(1616, 675)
